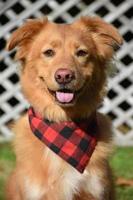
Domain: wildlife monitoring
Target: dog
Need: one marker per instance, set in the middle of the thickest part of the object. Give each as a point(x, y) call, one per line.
point(63, 77)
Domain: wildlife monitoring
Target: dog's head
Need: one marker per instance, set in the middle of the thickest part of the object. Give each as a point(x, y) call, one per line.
point(64, 65)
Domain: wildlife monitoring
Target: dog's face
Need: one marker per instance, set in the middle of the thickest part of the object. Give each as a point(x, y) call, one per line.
point(64, 65)
point(61, 59)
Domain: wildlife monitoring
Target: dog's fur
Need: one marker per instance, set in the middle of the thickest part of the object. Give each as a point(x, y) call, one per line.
point(39, 173)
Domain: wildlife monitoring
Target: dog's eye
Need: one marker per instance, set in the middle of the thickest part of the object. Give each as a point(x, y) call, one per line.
point(49, 53)
point(81, 53)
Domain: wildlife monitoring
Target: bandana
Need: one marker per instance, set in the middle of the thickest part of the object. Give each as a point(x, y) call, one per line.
point(73, 141)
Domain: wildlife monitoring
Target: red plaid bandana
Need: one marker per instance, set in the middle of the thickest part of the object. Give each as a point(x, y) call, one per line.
point(73, 141)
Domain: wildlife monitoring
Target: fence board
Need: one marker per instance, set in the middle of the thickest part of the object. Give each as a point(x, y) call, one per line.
point(119, 103)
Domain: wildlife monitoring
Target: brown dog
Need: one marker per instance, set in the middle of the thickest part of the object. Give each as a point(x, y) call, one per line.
point(63, 77)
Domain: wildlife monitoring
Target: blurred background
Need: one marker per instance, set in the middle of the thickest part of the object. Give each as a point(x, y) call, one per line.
point(119, 103)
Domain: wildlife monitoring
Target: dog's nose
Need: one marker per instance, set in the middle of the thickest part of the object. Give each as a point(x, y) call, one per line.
point(64, 76)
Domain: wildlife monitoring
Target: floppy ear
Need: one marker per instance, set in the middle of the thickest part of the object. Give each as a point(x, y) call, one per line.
point(24, 35)
point(105, 36)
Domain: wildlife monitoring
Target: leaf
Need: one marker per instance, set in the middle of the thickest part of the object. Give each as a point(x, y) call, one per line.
point(124, 182)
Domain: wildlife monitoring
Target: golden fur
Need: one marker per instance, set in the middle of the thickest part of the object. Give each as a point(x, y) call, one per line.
point(39, 173)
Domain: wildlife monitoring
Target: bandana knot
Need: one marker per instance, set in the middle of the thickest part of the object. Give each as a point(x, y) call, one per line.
point(73, 141)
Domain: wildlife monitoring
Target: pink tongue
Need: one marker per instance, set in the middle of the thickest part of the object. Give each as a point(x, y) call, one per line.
point(64, 97)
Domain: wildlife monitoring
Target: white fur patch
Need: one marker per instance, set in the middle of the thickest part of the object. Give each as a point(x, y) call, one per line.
point(70, 179)
point(32, 190)
point(71, 183)
point(95, 186)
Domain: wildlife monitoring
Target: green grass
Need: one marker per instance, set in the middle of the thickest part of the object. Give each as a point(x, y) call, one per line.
point(122, 164)
point(7, 162)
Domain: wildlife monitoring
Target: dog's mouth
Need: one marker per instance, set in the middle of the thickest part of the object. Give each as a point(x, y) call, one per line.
point(65, 96)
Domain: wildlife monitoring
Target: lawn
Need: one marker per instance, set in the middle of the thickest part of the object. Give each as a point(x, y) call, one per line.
point(122, 164)
point(7, 161)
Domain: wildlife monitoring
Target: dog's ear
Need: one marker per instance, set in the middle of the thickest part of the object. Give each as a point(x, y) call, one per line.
point(105, 36)
point(24, 35)
point(26, 32)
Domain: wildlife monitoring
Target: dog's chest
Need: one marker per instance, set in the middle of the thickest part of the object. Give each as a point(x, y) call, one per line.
point(62, 181)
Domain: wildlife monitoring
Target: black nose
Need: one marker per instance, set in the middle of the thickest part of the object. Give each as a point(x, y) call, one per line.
point(64, 76)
